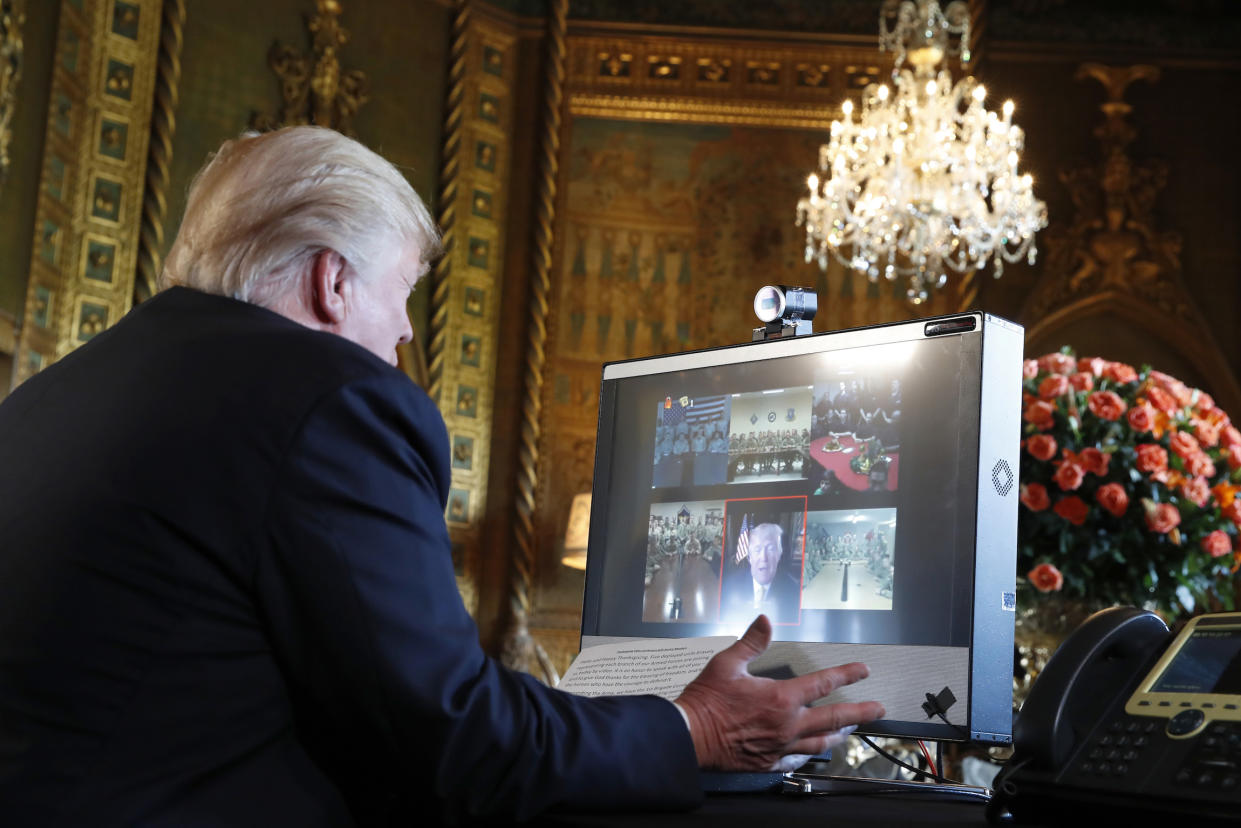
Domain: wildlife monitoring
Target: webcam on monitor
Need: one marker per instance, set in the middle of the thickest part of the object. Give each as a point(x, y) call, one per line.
point(785, 311)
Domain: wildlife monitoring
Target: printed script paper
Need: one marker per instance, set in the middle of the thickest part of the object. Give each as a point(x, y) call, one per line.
point(661, 666)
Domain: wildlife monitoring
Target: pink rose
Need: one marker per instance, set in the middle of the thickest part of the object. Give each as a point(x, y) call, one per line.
point(1162, 400)
point(1106, 405)
point(1068, 476)
point(1206, 432)
point(1041, 446)
point(1205, 404)
point(1057, 363)
point(1092, 365)
point(1046, 578)
point(1151, 458)
point(1040, 415)
point(1161, 379)
point(1034, 496)
point(1200, 463)
point(1230, 437)
point(1161, 517)
point(1113, 498)
point(1183, 444)
point(1073, 509)
point(1217, 544)
point(1234, 457)
point(1055, 385)
point(1119, 372)
point(1029, 369)
point(1141, 417)
point(1196, 490)
point(1082, 382)
point(1093, 461)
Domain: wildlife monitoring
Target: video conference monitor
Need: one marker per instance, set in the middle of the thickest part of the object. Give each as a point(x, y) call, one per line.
point(858, 487)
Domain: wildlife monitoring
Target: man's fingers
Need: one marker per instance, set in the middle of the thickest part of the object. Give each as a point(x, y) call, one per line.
point(816, 685)
point(755, 640)
point(832, 717)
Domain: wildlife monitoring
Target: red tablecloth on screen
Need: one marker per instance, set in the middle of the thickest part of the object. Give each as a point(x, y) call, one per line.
point(838, 461)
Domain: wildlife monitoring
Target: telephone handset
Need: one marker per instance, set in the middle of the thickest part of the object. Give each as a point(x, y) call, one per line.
point(1127, 718)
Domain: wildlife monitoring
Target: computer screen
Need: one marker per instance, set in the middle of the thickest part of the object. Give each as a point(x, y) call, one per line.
point(858, 487)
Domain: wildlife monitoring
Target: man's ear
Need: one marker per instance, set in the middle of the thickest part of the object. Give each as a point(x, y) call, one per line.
point(329, 287)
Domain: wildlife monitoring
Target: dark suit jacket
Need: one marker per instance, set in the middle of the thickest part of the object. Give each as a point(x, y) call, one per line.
point(783, 602)
point(227, 598)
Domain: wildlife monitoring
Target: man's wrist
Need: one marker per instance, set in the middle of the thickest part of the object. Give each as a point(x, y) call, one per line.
point(684, 716)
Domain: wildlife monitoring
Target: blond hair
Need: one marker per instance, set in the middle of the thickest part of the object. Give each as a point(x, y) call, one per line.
point(264, 205)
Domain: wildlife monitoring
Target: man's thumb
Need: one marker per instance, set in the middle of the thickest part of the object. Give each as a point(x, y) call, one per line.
point(755, 640)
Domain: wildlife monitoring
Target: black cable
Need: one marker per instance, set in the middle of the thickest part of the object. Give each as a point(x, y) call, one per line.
point(957, 728)
point(906, 765)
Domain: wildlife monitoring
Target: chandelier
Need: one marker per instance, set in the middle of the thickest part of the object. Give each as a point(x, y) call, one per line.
point(924, 179)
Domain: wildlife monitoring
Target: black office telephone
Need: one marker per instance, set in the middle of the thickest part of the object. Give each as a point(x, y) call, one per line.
point(1128, 720)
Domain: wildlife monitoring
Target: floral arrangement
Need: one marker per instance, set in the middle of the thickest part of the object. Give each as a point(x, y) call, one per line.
point(1129, 487)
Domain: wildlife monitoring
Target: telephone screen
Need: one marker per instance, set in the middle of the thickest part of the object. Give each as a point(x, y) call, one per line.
point(1209, 662)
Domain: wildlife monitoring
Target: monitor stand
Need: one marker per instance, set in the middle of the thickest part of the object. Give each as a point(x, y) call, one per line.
point(814, 783)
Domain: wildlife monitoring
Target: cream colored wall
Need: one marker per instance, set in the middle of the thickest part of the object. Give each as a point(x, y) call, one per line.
point(761, 405)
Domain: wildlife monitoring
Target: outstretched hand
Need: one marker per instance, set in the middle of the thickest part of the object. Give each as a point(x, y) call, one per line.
point(740, 722)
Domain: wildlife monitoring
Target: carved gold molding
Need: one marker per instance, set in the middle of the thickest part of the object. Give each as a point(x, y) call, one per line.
point(763, 73)
point(313, 87)
point(465, 312)
point(163, 127)
point(698, 111)
point(521, 649)
point(90, 191)
point(1114, 257)
point(12, 17)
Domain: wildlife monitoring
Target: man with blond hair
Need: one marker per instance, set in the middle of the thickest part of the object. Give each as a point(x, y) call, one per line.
point(226, 592)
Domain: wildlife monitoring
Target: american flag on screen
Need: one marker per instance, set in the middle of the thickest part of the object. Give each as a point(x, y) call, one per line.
point(706, 409)
point(743, 539)
point(674, 412)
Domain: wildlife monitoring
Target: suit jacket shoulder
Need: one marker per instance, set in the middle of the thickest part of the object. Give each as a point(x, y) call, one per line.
point(257, 566)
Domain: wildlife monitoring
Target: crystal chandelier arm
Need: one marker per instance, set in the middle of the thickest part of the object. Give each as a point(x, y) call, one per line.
point(924, 178)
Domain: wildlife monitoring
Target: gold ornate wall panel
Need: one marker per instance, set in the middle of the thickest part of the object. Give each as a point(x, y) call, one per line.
point(680, 167)
point(12, 17)
point(718, 82)
point(1114, 258)
point(465, 308)
point(159, 158)
point(91, 189)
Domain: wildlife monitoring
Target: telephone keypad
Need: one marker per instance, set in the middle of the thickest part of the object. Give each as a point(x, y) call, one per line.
point(1120, 753)
point(1214, 762)
point(1121, 744)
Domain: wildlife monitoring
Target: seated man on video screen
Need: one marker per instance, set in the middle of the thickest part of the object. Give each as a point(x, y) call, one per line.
point(762, 585)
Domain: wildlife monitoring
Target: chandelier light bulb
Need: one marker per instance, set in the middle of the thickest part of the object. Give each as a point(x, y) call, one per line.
point(926, 180)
